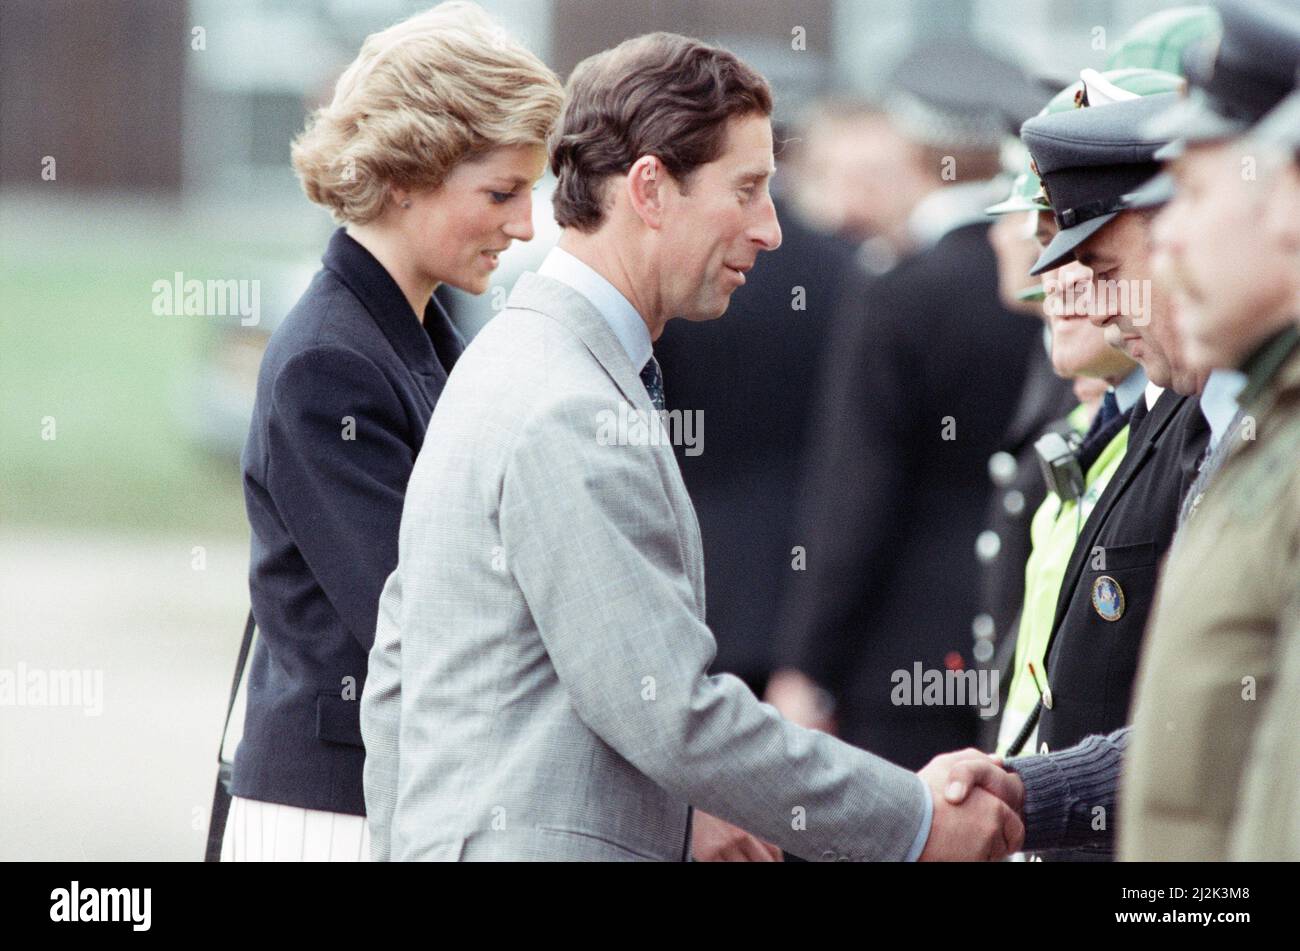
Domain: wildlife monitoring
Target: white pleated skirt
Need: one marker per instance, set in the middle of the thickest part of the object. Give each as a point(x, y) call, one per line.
point(259, 831)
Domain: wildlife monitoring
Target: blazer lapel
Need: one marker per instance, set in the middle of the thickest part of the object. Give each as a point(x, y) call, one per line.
point(1149, 430)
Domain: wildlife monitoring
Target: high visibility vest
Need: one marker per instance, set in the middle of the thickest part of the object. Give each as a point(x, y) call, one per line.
point(1053, 532)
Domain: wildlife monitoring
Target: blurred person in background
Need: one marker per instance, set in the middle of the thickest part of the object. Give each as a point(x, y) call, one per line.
point(426, 156)
point(925, 370)
point(751, 378)
point(859, 178)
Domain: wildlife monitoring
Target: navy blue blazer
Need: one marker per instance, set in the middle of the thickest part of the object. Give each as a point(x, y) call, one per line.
point(344, 395)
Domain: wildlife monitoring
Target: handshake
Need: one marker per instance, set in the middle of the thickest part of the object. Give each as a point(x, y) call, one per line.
point(976, 817)
point(977, 806)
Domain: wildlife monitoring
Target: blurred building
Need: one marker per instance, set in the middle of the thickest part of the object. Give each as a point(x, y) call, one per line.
point(165, 95)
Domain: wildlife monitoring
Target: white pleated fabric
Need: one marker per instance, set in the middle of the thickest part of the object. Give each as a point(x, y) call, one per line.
point(271, 832)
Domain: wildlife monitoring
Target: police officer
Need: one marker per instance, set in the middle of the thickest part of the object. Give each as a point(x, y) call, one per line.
point(1089, 160)
point(1078, 350)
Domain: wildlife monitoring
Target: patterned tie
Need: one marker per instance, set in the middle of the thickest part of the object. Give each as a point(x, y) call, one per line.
point(1211, 462)
point(1108, 411)
point(654, 383)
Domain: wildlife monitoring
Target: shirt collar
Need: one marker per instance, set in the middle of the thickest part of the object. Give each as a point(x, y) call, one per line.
point(609, 302)
point(361, 272)
point(1153, 394)
point(1130, 388)
point(1219, 401)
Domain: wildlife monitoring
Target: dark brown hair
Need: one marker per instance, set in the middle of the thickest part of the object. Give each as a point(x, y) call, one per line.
point(660, 94)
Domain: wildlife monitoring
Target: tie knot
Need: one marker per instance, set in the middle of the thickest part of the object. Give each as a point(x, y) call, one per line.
point(1109, 407)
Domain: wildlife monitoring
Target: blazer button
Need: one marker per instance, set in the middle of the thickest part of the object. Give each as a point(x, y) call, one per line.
point(1014, 502)
point(987, 546)
point(828, 856)
point(1002, 469)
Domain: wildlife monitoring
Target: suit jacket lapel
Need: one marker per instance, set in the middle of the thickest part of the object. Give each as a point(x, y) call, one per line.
point(1149, 429)
point(567, 307)
point(574, 312)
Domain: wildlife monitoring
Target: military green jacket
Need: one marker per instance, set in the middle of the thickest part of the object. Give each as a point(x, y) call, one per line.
point(1267, 824)
point(1210, 660)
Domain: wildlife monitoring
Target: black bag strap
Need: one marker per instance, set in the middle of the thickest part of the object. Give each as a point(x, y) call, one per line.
point(221, 793)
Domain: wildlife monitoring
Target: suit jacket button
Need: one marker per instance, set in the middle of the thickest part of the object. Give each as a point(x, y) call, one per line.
point(828, 856)
point(987, 546)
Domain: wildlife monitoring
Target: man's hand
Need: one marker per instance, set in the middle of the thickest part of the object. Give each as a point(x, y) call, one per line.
point(799, 699)
point(713, 840)
point(976, 808)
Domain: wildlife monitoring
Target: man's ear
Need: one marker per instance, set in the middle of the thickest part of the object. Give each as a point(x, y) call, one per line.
point(645, 184)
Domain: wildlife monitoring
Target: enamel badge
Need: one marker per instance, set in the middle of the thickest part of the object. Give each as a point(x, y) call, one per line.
point(1108, 598)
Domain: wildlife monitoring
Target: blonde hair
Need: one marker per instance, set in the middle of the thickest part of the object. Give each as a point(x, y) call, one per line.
point(443, 86)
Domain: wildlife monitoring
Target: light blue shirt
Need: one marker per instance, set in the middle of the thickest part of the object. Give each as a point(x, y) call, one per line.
point(609, 302)
point(1219, 401)
point(1130, 388)
point(918, 846)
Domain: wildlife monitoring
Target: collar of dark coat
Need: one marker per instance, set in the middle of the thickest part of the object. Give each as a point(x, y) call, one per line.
point(431, 348)
point(1271, 361)
point(1145, 433)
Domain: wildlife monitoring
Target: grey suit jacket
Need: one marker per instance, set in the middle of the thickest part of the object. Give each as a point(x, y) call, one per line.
point(537, 687)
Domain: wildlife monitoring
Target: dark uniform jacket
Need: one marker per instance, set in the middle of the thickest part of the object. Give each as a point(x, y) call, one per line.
point(1091, 659)
point(344, 395)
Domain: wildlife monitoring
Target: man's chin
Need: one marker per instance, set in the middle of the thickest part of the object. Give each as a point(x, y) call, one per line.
point(710, 312)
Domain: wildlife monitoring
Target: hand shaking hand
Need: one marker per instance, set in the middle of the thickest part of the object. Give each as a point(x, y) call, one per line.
point(977, 808)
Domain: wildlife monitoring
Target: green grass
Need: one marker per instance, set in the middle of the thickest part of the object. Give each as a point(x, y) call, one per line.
point(79, 343)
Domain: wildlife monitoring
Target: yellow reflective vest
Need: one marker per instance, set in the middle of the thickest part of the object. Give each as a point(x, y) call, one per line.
point(1053, 532)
